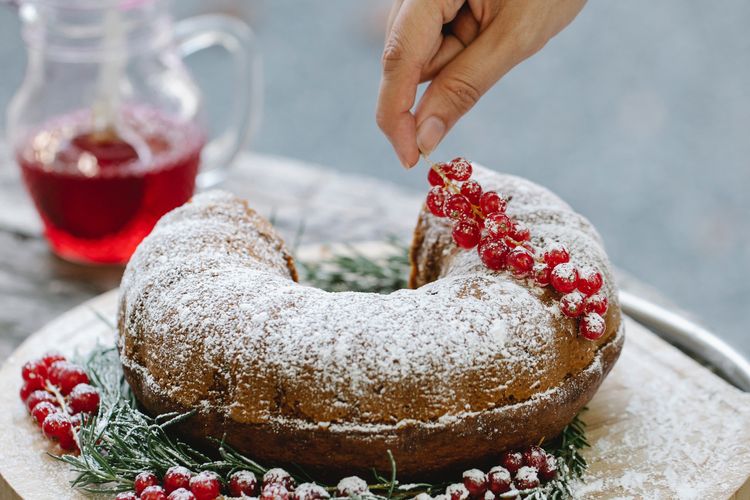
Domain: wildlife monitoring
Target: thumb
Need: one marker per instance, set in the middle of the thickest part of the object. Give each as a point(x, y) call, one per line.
point(459, 85)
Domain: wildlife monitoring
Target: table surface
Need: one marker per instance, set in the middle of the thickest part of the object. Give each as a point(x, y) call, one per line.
point(308, 204)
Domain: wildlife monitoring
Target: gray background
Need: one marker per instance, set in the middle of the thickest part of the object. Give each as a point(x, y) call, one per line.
point(638, 114)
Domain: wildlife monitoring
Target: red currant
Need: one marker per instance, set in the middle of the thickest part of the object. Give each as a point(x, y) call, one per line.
point(66, 376)
point(457, 492)
point(459, 169)
point(436, 199)
point(143, 480)
point(556, 254)
point(597, 303)
point(491, 203)
point(512, 461)
point(274, 491)
point(534, 456)
point(351, 486)
point(154, 493)
point(34, 370)
point(181, 494)
point(520, 232)
point(498, 225)
point(57, 426)
point(127, 495)
point(548, 471)
point(472, 190)
point(466, 233)
point(475, 482)
point(526, 478)
point(541, 274)
point(520, 261)
point(83, 398)
point(68, 444)
point(27, 388)
point(243, 483)
point(51, 357)
point(310, 491)
point(177, 477)
point(493, 253)
point(279, 476)
point(37, 397)
point(205, 485)
point(499, 480)
point(41, 410)
point(592, 326)
point(572, 304)
point(434, 178)
point(589, 281)
point(457, 207)
point(564, 277)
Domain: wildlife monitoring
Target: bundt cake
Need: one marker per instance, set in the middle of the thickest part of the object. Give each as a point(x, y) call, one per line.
point(446, 375)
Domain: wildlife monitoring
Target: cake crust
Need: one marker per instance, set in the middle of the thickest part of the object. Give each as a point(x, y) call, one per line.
point(445, 376)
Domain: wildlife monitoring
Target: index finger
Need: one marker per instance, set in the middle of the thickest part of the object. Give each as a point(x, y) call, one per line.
point(414, 39)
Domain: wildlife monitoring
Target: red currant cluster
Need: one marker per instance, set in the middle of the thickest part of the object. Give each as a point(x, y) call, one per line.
point(179, 483)
point(520, 470)
point(58, 395)
point(504, 244)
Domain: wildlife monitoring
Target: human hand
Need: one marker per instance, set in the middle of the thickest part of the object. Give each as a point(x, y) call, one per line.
point(463, 47)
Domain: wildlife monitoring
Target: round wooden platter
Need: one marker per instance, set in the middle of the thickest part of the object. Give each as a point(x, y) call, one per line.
point(661, 426)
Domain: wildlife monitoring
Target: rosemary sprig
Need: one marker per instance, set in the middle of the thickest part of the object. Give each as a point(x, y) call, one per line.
point(355, 272)
point(121, 441)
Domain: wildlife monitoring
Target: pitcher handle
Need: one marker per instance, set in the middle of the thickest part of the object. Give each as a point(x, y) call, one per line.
point(202, 32)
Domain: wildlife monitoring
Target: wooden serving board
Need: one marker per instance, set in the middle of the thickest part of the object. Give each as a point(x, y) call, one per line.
point(661, 426)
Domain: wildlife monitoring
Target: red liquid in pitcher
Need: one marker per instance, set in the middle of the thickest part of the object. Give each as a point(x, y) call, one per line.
point(96, 196)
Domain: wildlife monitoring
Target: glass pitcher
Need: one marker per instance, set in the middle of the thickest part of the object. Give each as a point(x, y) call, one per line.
point(107, 126)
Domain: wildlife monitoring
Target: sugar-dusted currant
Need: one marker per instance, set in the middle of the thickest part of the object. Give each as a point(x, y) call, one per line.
point(66, 375)
point(279, 476)
point(310, 491)
point(178, 477)
point(351, 486)
point(153, 493)
point(243, 483)
point(475, 482)
point(205, 485)
point(83, 399)
point(480, 220)
point(144, 480)
point(58, 427)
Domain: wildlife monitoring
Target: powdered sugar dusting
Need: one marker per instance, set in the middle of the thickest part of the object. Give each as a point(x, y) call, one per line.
point(210, 318)
point(527, 474)
point(351, 486)
point(667, 428)
point(475, 475)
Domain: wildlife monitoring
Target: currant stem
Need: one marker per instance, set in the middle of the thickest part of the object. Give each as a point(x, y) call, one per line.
point(61, 400)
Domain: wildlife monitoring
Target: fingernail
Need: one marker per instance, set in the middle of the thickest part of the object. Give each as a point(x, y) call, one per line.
point(429, 134)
